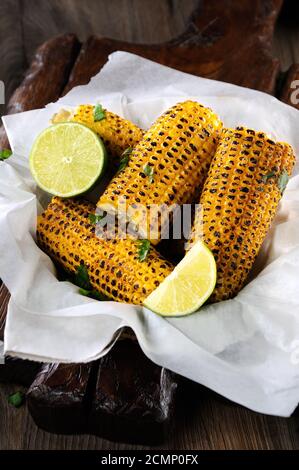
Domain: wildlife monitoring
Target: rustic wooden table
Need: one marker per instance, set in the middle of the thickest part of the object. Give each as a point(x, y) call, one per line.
point(203, 420)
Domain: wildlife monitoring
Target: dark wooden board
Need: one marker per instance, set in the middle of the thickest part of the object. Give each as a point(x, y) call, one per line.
point(227, 40)
point(203, 421)
point(290, 90)
point(45, 79)
point(230, 41)
point(4, 298)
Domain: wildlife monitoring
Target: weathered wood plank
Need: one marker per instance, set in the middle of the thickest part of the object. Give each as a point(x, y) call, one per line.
point(203, 421)
point(12, 57)
point(242, 28)
point(4, 298)
point(46, 77)
point(26, 25)
point(290, 91)
point(201, 50)
point(148, 21)
point(286, 37)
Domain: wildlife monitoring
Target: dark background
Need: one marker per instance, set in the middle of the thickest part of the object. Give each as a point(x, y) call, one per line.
point(25, 24)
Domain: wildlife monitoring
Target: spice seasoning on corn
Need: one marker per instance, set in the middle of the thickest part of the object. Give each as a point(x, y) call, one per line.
point(167, 167)
point(117, 133)
point(238, 203)
point(115, 269)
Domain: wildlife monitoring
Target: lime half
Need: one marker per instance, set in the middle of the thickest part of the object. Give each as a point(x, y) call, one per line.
point(67, 159)
point(189, 285)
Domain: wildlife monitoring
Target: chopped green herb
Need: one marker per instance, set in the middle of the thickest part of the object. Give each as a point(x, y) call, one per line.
point(144, 247)
point(16, 399)
point(4, 154)
point(260, 188)
point(283, 180)
point(94, 294)
point(84, 292)
point(82, 278)
point(83, 282)
point(98, 113)
point(268, 175)
point(95, 218)
point(65, 210)
point(125, 158)
point(149, 171)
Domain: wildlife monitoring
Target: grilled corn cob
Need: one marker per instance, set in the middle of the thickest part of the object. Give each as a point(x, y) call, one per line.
point(117, 133)
point(65, 232)
point(166, 168)
point(238, 202)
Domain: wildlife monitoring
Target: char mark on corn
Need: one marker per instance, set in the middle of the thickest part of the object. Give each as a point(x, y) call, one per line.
point(167, 168)
point(239, 201)
point(65, 233)
point(117, 133)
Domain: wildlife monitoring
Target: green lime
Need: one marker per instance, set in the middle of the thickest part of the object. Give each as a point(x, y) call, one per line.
point(188, 286)
point(67, 159)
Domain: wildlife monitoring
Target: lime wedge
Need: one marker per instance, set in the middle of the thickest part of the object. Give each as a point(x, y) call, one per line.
point(67, 159)
point(189, 285)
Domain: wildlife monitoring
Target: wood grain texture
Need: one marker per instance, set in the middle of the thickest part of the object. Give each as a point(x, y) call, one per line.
point(290, 90)
point(149, 21)
point(203, 421)
point(286, 38)
point(4, 298)
point(39, 21)
point(286, 45)
point(26, 24)
point(46, 77)
point(243, 29)
point(228, 40)
point(12, 58)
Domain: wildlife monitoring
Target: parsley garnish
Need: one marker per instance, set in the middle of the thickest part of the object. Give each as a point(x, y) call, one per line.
point(95, 218)
point(16, 399)
point(149, 171)
point(4, 154)
point(283, 180)
point(125, 158)
point(82, 277)
point(82, 280)
point(144, 247)
point(268, 175)
point(98, 113)
point(94, 294)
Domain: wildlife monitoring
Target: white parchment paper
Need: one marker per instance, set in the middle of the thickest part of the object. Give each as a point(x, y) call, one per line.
point(246, 349)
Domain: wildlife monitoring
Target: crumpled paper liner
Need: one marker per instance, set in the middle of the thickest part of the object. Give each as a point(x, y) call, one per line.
point(247, 348)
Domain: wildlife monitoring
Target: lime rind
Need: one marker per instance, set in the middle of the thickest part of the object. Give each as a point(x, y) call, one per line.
point(179, 280)
point(84, 145)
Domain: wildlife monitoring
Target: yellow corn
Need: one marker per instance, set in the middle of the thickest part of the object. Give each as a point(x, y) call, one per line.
point(239, 199)
point(65, 232)
point(167, 167)
point(117, 133)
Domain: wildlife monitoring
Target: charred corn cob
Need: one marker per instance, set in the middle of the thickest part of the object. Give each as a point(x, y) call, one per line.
point(65, 232)
point(239, 199)
point(166, 168)
point(117, 133)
